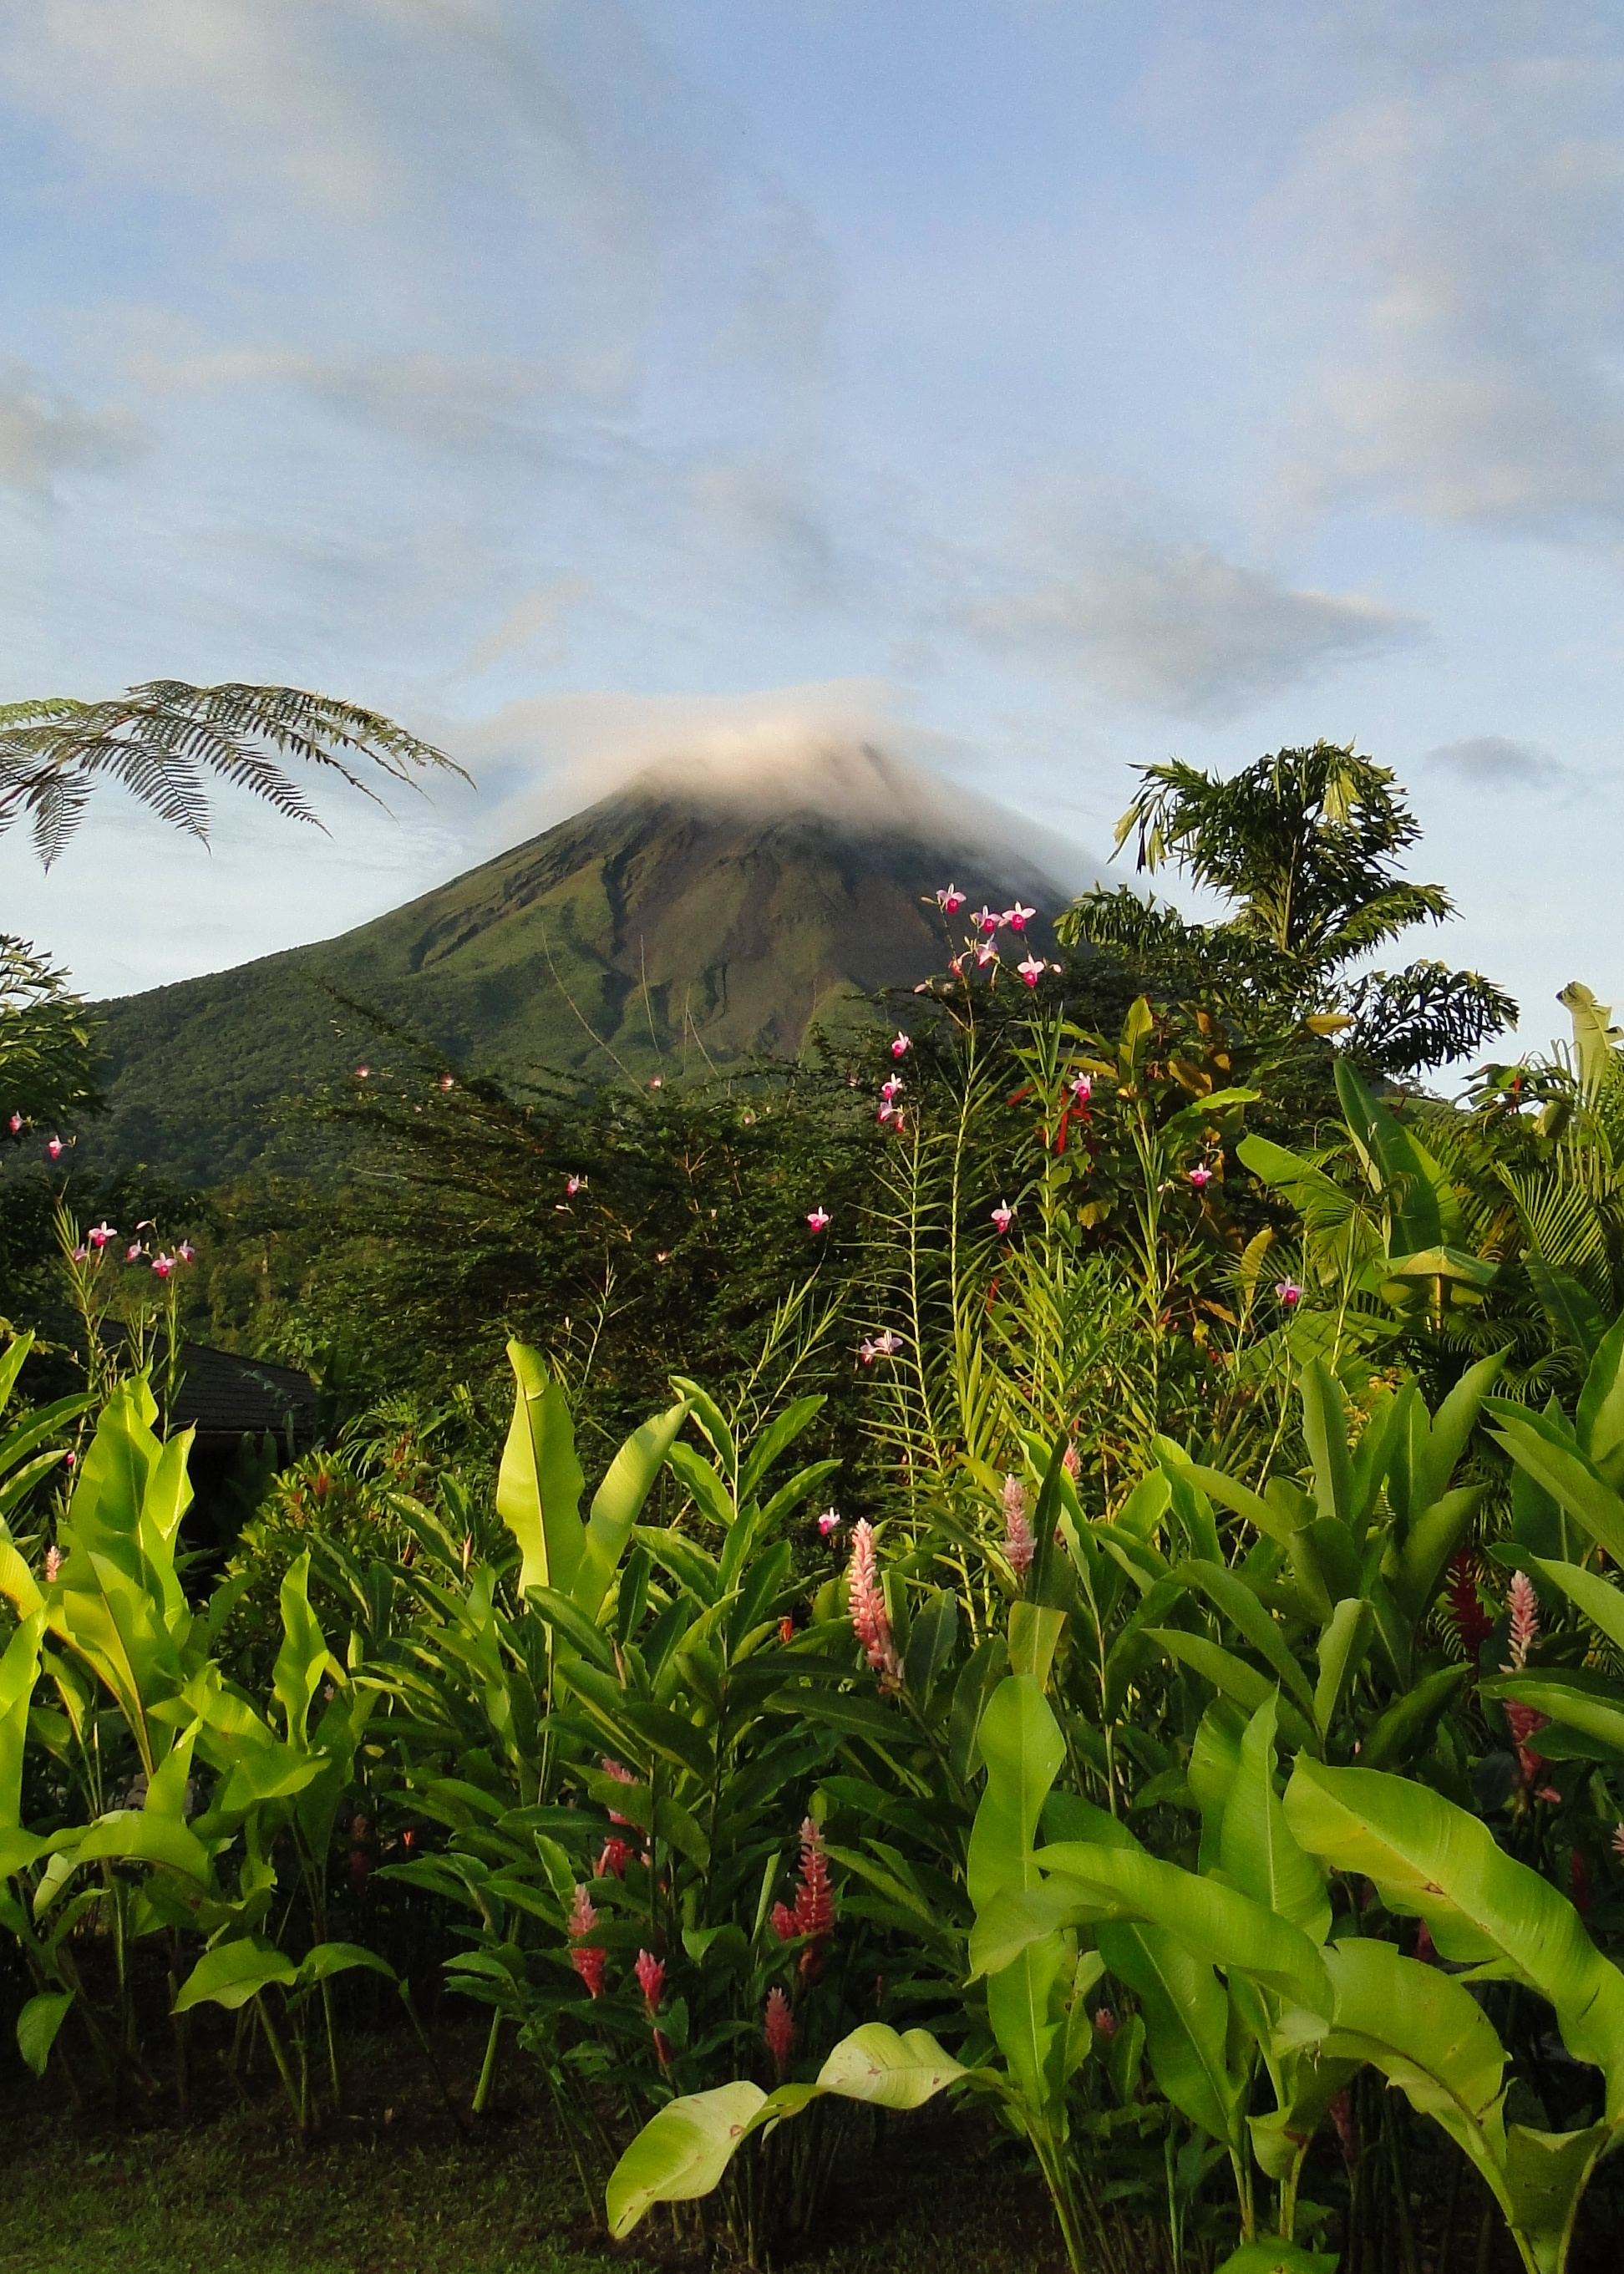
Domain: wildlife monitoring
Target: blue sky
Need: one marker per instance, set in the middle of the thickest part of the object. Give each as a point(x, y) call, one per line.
point(1039, 386)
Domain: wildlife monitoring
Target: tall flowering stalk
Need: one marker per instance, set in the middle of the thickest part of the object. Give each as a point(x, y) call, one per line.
point(870, 1619)
point(1524, 1721)
point(812, 1915)
point(778, 2029)
point(587, 1961)
point(1019, 1541)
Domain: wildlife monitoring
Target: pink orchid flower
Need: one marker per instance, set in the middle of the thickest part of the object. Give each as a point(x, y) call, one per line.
point(900, 1044)
point(887, 1344)
point(1033, 969)
point(988, 919)
point(891, 1085)
point(362, 1073)
point(134, 1252)
point(447, 1081)
point(886, 1110)
point(1003, 1216)
point(951, 901)
point(1201, 1175)
point(1017, 918)
point(99, 1234)
point(185, 1252)
point(986, 953)
point(868, 1352)
point(571, 1185)
point(1289, 1292)
point(1082, 1088)
point(163, 1265)
point(829, 1523)
point(54, 1149)
point(819, 1219)
point(81, 1255)
point(17, 1123)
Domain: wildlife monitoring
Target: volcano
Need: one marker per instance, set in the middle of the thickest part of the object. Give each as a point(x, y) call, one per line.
point(682, 925)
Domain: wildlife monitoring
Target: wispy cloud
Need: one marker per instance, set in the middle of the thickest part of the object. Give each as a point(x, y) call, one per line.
point(1180, 628)
point(1496, 762)
point(44, 434)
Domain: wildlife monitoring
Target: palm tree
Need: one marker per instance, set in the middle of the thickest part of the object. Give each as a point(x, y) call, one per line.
point(163, 740)
point(1303, 845)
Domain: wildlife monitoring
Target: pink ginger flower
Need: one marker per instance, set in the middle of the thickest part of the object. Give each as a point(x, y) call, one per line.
point(1618, 1842)
point(1523, 1605)
point(866, 1600)
point(615, 1857)
point(1200, 1176)
point(99, 1234)
point(819, 1219)
point(1032, 969)
point(163, 1265)
point(1017, 918)
point(54, 1560)
point(587, 1961)
point(811, 1918)
point(1347, 2130)
point(1072, 1463)
point(1289, 1292)
point(1426, 1950)
point(1020, 1542)
point(621, 1776)
point(949, 900)
point(54, 1149)
point(1106, 2022)
point(900, 1044)
point(651, 1974)
point(1004, 1215)
point(829, 1522)
point(778, 2029)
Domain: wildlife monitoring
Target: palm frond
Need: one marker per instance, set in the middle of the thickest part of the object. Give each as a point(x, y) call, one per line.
point(163, 740)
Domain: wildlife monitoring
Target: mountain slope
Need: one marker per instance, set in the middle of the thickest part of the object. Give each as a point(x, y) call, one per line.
point(667, 928)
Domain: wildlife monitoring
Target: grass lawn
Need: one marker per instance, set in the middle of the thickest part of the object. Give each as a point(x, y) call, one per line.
point(392, 2189)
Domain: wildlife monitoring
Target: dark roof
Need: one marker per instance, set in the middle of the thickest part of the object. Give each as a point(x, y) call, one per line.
point(221, 1394)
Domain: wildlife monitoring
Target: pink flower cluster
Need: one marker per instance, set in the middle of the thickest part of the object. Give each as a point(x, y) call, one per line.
point(778, 2029)
point(1525, 1721)
point(870, 1620)
point(880, 1345)
point(1019, 1541)
point(587, 1958)
point(811, 1917)
point(95, 1243)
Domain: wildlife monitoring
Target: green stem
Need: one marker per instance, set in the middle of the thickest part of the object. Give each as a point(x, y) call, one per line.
point(487, 2074)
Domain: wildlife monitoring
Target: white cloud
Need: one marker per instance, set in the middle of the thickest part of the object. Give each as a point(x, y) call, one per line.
point(1460, 217)
point(1179, 627)
point(43, 433)
point(837, 748)
point(533, 612)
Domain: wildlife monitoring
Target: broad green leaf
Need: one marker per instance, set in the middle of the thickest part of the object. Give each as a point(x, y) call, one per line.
point(1233, 1678)
point(1186, 2025)
point(1414, 1571)
point(20, 1668)
point(1257, 1626)
point(930, 1644)
point(1035, 1629)
point(1325, 1431)
point(37, 2026)
point(1257, 1851)
point(233, 1972)
point(1226, 1926)
point(1572, 1309)
point(681, 2152)
point(1598, 1419)
point(1271, 2255)
point(775, 1439)
point(1600, 1601)
point(1407, 1725)
point(1430, 1857)
point(876, 2064)
point(1342, 1646)
point(1422, 1203)
point(136, 1836)
point(538, 1486)
point(1566, 1704)
point(1023, 1748)
point(1552, 1458)
point(703, 1484)
point(1273, 1522)
point(618, 1504)
point(329, 1958)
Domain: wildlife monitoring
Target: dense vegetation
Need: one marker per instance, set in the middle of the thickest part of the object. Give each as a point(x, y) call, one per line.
point(1058, 1561)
